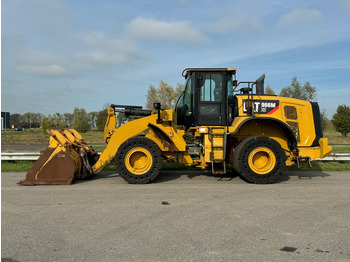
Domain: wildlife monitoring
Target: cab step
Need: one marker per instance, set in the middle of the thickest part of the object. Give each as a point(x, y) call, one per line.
point(215, 170)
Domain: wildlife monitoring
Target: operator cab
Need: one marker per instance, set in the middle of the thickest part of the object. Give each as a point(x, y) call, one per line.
point(206, 97)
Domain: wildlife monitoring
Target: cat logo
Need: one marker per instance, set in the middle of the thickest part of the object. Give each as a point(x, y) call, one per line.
point(262, 106)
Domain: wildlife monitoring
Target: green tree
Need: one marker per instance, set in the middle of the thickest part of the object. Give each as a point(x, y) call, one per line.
point(121, 119)
point(324, 118)
point(269, 91)
point(80, 120)
point(15, 119)
point(31, 120)
point(178, 91)
point(151, 97)
point(52, 122)
point(38, 117)
point(295, 90)
point(102, 118)
point(165, 94)
point(341, 120)
point(92, 118)
point(68, 119)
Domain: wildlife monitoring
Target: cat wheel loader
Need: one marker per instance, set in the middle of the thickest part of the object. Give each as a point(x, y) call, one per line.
point(220, 124)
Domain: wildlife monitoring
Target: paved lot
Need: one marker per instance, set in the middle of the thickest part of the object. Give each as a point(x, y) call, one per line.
point(180, 217)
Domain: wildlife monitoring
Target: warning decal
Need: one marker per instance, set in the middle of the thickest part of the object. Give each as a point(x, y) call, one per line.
point(262, 106)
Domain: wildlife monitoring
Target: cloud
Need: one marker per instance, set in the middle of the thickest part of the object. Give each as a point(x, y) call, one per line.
point(103, 50)
point(44, 70)
point(42, 63)
point(243, 23)
point(156, 30)
point(300, 17)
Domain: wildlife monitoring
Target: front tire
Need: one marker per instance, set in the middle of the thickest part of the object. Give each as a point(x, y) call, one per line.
point(138, 160)
point(259, 160)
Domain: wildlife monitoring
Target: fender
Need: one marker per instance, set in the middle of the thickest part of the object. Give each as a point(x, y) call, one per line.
point(292, 140)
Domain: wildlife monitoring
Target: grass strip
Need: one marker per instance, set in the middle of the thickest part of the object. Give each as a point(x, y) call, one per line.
point(343, 149)
point(322, 166)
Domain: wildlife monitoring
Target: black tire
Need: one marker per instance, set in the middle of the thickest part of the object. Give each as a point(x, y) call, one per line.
point(138, 160)
point(259, 160)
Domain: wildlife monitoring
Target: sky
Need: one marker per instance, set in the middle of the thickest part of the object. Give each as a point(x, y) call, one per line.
point(60, 54)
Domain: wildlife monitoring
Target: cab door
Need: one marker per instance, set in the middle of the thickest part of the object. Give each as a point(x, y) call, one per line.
point(211, 98)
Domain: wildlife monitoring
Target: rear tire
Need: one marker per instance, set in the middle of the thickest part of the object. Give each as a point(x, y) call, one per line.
point(138, 160)
point(259, 160)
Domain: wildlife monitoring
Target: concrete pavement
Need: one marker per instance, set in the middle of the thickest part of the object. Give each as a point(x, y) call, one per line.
point(180, 217)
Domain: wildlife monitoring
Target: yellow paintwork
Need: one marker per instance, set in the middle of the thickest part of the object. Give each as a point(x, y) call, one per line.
point(173, 133)
point(210, 141)
point(304, 111)
point(114, 137)
point(320, 151)
point(262, 160)
point(119, 136)
point(185, 159)
point(305, 122)
point(110, 125)
point(58, 149)
point(257, 128)
point(138, 160)
point(61, 142)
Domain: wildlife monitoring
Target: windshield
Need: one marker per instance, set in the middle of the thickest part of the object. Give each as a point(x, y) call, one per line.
point(186, 100)
point(180, 100)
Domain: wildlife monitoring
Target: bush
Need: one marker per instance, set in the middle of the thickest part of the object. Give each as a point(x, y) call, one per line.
point(341, 120)
point(80, 120)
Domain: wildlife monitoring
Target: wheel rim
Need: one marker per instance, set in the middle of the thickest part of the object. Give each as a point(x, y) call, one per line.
point(138, 160)
point(262, 160)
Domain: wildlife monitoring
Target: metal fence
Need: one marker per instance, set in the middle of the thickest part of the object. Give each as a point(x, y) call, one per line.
point(34, 156)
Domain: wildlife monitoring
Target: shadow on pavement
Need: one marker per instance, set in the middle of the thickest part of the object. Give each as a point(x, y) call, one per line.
point(302, 175)
point(170, 175)
point(101, 175)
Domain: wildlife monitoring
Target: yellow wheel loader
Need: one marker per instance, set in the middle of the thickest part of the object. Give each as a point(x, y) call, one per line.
point(221, 124)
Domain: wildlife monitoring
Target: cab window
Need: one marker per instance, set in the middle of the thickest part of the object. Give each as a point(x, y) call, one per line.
point(211, 90)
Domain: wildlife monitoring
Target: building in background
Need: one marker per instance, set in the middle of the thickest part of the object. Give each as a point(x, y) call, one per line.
point(5, 120)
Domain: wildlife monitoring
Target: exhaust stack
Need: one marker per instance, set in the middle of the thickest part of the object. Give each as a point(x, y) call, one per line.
point(260, 85)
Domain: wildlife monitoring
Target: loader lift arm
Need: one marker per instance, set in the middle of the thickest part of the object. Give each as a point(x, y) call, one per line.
point(139, 158)
point(120, 135)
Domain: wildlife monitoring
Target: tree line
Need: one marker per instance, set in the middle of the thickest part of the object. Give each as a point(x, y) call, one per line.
point(167, 96)
point(80, 120)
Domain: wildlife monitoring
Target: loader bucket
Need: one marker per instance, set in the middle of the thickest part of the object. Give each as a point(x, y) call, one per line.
point(67, 159)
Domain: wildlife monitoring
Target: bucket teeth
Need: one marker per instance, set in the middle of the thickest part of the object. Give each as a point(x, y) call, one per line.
point(67, 158)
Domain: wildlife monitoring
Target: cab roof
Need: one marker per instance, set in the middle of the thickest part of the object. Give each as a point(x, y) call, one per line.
point(231, 70)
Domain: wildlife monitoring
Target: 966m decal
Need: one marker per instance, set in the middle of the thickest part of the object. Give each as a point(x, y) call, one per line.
point(261, 106)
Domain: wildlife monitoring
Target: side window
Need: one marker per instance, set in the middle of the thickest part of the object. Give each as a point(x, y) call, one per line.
point(230, 87)
point(211, 91)
point(290, 112)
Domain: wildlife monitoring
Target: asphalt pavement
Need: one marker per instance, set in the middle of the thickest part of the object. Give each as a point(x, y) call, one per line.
point(180, 217)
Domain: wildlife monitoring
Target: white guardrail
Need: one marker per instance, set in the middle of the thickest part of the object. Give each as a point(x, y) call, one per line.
point(35, 156)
